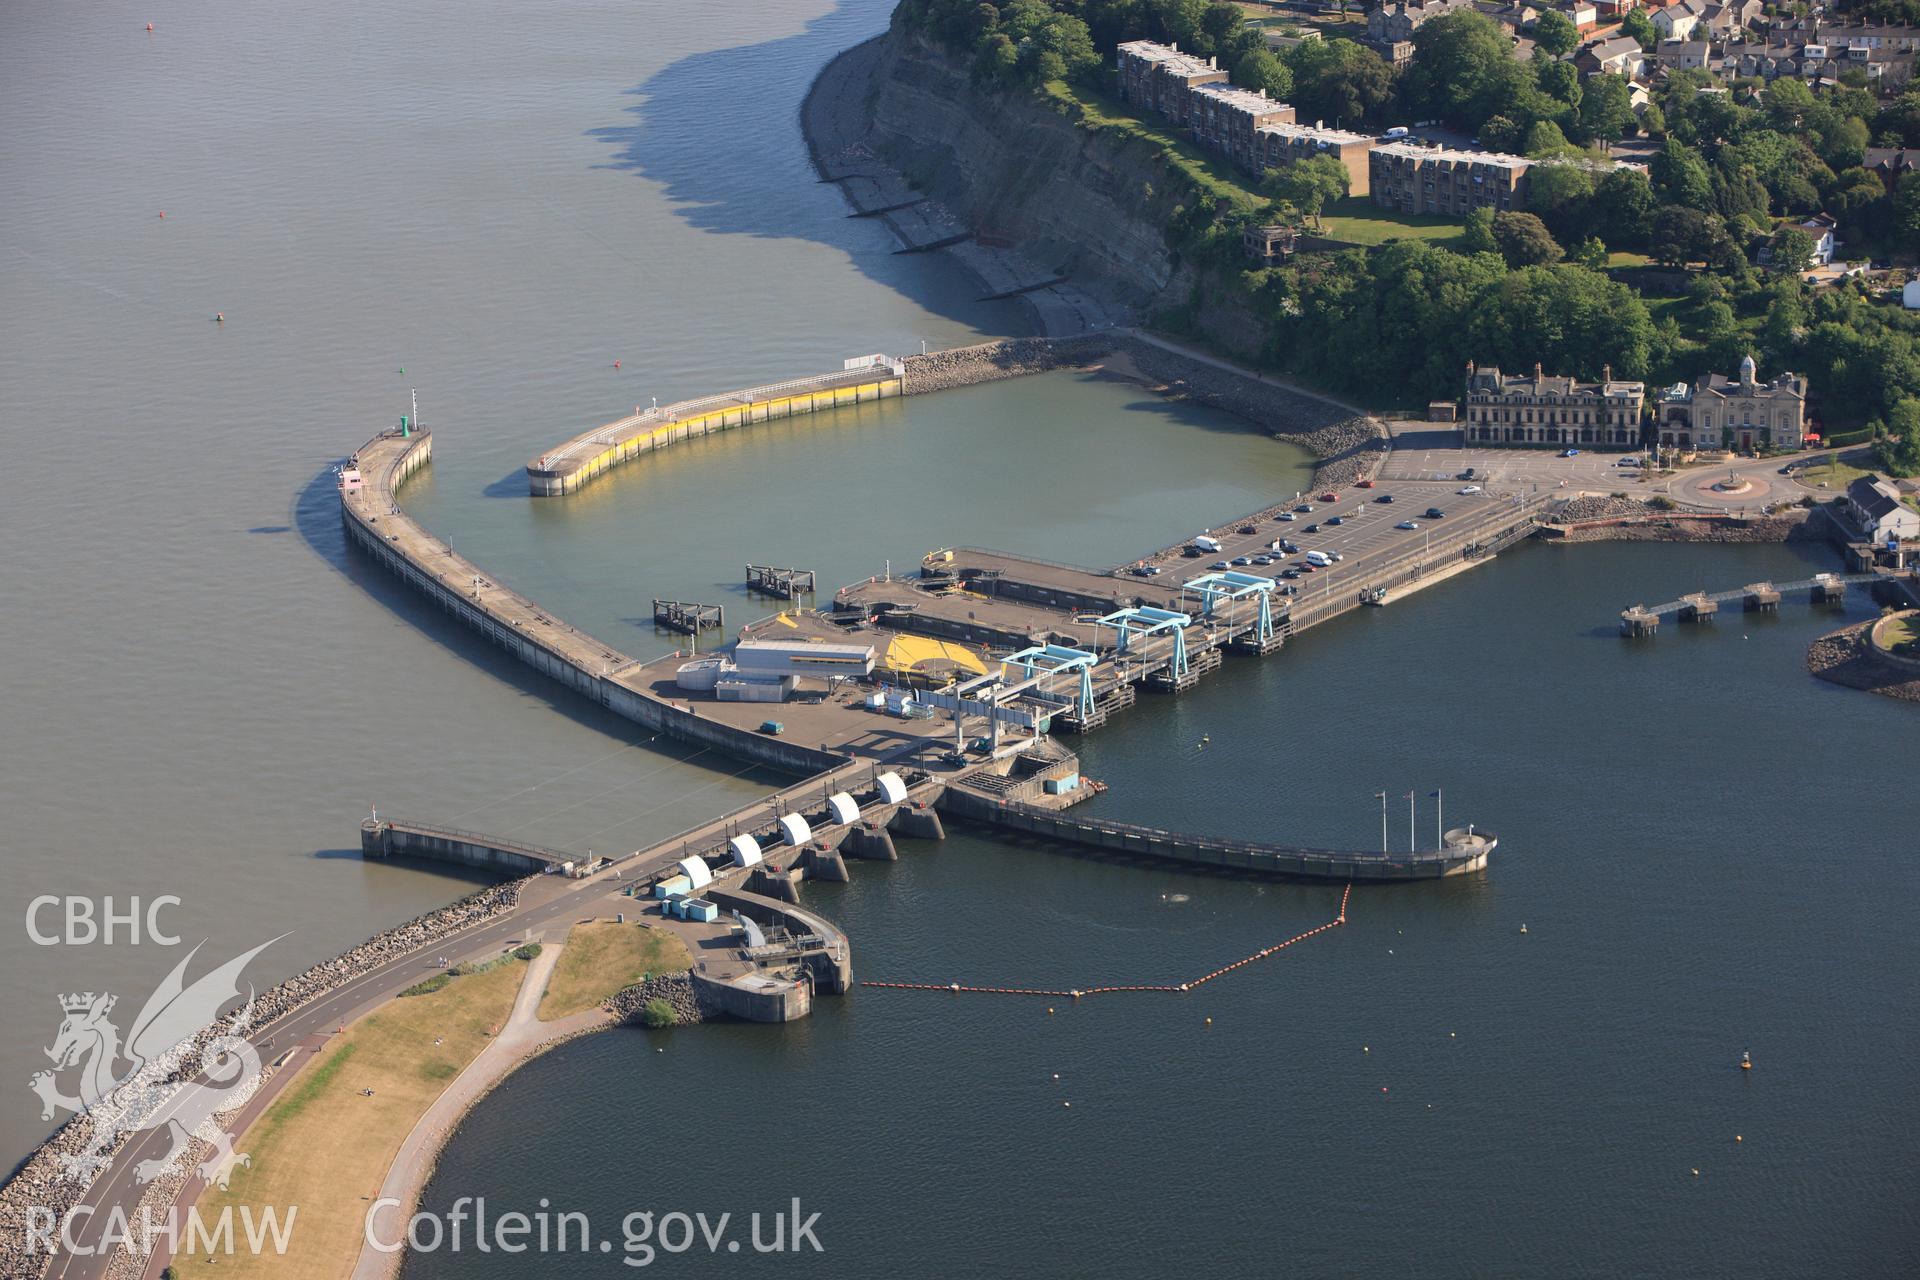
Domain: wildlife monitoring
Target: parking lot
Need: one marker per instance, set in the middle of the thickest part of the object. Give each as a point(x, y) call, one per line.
point(1367, 537)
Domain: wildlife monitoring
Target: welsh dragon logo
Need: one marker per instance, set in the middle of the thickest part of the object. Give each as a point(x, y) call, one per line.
point(142, 1097)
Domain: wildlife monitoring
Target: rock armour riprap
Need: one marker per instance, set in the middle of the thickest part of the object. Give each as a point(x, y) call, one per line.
point(676, 989)
point(41, 1182)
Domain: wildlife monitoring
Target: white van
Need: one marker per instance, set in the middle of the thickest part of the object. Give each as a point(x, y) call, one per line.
point(1209, 545)
point(1319, 559)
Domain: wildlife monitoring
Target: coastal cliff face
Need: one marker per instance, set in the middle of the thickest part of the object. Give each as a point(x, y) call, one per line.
point(1016, 169)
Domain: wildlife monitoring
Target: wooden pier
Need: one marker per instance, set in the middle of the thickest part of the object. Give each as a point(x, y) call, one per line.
point(787, 584)
point(687, 617)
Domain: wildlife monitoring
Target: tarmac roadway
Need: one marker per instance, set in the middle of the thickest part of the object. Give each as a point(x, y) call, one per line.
point(1368, 538)
point(1427, 453)
point(546, 903)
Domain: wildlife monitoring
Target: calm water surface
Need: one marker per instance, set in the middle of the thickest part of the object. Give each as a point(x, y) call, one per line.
point(204, 693)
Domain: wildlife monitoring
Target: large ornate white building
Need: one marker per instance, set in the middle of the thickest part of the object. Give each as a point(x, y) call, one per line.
point(1717, 412)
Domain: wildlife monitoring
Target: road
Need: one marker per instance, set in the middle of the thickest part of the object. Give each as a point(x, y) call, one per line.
point(545, 903)
point(1423, 452)
point(1368, 537)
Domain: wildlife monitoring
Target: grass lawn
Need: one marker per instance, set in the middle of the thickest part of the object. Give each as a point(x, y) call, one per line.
point(1901, 634)
point(1621, 258)
point(1837, 474)
point(322, 1146)
point(1359, 220)
point(603, 957)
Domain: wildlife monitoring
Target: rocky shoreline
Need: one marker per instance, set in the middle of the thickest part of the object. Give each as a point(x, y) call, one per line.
point(1609, 519)
point(1349, 446)
point(1847, 657)
point(677, 989)
point(40, 1181)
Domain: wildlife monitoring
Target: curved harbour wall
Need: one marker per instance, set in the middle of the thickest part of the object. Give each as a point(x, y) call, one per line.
point(570, 466)
point(597, 671)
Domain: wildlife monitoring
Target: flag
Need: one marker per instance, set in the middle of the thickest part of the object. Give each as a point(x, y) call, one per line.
point(1433, 795)
point(1379, 795)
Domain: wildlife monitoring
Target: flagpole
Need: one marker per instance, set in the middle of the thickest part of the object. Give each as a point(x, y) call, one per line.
point(1383, 820)
point(1410, 848)
point(1439, 819)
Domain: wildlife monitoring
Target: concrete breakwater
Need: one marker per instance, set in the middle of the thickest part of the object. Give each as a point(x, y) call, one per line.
point(41, 1183)
point(597, 671)
point(569, 466)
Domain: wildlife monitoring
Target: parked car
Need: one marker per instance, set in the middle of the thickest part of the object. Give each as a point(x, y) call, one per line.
point(1408, 524)
point(1304, 508)
point(1468, 474)
point(1289, 590)
point(1331, 495)
point(1312, 528)
point(1434, 513)
point(1263, 559)
point(1241, 562)
point(1336, 520)
point(1384, 498)
point(1142, 571)
point(1472, 488)
point(1220, 564)
point(1569, 453)
point(1284, 515)
point(1290, 574)
point(1363, 484)
point(1628, 461)
point(1246, 528)
point(1290, 548)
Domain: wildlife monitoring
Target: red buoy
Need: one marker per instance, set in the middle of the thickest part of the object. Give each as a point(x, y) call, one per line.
point(616, 364)
point(149, 26)
point(163, 213)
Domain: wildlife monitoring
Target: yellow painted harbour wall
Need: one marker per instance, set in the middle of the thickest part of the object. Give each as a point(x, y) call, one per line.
point(552, 475)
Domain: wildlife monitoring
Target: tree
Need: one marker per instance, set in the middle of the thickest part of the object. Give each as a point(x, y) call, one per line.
point(1681, 235)
point(657, 1013)
point(1906, 211)
point(1545, 139)
point(1477, 235)
point(1524, 240)
point(1790, 251)
point(1680, 176)
point(1258, 69)
point(1310, 185)
point(1590, 253)
point(1463, 69)
point(1622, 206)
point(1340, 80)
point(1640, 27)
point(1555, 32)
point(1606, 107)
point(1898, 453)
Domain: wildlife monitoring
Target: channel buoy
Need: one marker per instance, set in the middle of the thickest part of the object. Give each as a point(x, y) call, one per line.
point(1523, 928)
point(149, 26)
point(163, 213)
point(1746, 1061)
point(1209, 1021)
point(616, 364)
point(219, 317)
